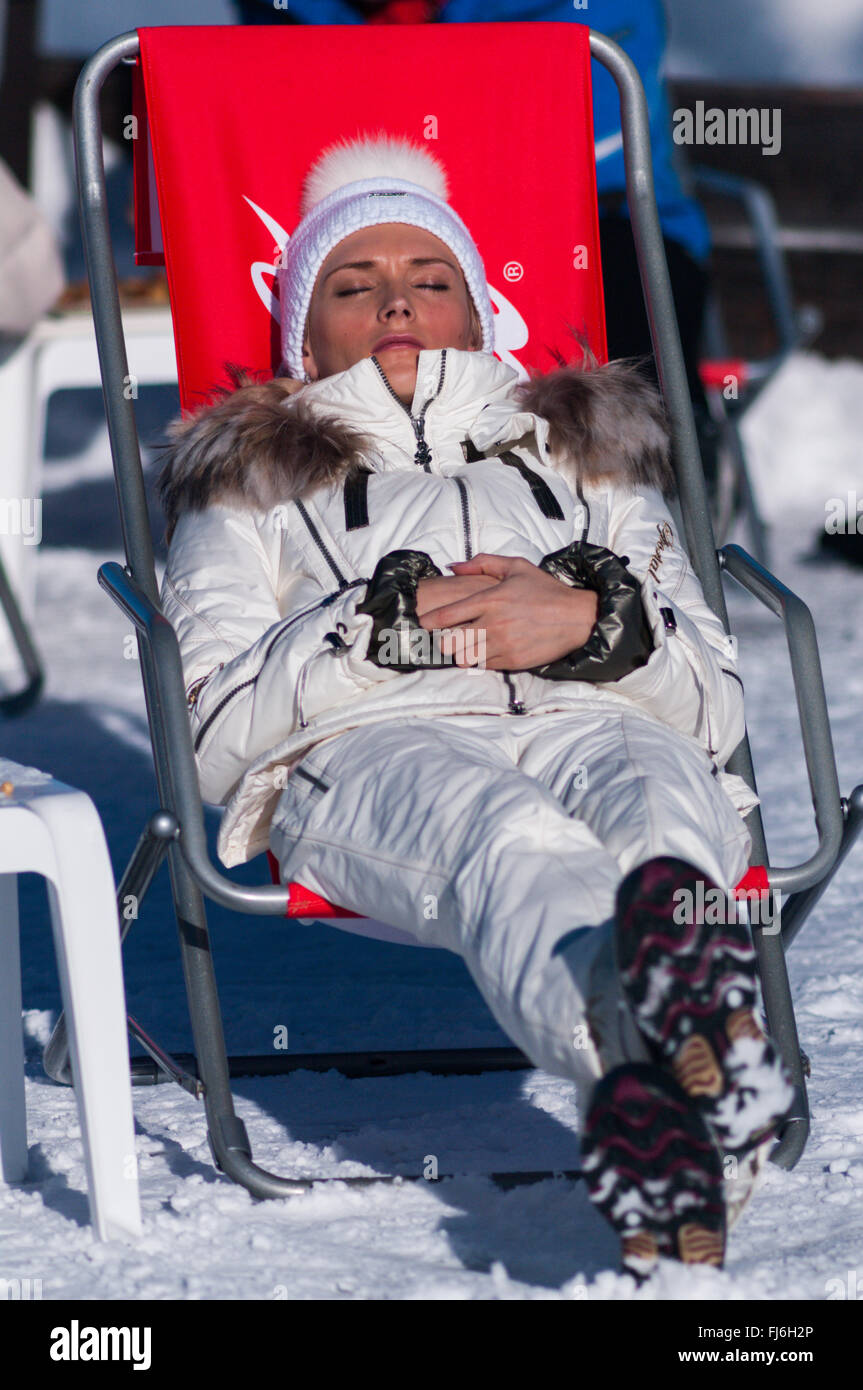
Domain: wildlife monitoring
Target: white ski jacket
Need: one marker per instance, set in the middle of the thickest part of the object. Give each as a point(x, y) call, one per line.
point(281, 507)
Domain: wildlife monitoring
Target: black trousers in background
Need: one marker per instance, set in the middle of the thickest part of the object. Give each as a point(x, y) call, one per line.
point(626, 319)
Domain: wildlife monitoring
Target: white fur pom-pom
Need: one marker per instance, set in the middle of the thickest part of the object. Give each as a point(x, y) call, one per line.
point(370, 157)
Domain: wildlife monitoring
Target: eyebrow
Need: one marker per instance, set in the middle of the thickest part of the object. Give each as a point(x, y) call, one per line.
point(370, 265)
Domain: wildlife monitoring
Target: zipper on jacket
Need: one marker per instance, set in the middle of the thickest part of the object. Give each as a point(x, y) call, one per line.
point(423, 453)
point(219, 707)
point(703, 692)
point(322, 603)
point(515, 706)
point(194, 690)
point(668, 618)
point(318, 539)
point(465, 518)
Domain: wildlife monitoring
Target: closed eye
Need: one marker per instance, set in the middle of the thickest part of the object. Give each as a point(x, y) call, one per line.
point(340, 294)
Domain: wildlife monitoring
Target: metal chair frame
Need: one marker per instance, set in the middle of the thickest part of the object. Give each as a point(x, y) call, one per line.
point(177, 829)
point(795, 328)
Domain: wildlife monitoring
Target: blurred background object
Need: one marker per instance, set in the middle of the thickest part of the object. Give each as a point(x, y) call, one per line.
point(31, 267)
point(806, 59)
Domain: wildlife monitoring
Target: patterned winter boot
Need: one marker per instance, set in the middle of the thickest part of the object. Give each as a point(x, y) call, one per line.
point(692, 991)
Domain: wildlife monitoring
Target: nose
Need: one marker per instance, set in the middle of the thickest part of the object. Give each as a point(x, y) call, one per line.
point(394, 304)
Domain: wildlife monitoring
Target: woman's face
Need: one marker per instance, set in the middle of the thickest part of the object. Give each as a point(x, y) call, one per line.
point(408, 284)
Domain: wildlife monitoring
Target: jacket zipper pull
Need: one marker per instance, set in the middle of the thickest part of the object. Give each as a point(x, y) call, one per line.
point(197, 686)
point(515, 706)
point(423, 452)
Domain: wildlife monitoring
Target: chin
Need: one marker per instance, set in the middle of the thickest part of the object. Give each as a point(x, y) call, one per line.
point(400, 368)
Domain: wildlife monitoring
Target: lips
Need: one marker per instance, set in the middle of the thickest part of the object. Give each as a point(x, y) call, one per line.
point(394, 340)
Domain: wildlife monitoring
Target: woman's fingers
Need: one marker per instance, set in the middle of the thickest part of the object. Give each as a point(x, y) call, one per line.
point(453, 587)
point(500, 566)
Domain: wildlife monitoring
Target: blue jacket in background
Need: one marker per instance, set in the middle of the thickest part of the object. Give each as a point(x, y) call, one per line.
point(637, 25)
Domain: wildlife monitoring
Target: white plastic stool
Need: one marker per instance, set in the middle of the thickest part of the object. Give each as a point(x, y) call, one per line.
point(51, 829)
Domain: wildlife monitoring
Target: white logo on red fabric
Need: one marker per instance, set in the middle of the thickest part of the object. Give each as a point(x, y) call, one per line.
point(510, 328)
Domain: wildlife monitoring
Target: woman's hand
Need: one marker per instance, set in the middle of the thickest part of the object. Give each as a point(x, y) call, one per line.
point(448, 588)
point(528, 617)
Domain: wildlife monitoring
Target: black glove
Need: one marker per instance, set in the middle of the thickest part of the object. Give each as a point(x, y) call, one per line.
point(621, 639)
point(391, 599)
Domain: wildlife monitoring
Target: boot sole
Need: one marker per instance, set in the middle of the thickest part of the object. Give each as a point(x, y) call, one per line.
point(653, 1170)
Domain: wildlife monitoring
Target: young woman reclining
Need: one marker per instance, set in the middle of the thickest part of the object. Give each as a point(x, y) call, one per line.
point(447, 658)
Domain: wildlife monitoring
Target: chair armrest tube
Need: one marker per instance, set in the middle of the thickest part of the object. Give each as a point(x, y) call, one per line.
point(185, 797)
point(812, 709)
point(796, 911)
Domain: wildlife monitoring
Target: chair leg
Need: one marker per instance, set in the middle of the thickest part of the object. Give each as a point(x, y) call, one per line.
point(229, 1142)
point(776, 990)
point(13, 1114)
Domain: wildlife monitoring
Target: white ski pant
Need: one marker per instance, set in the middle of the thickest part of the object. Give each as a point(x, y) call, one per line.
point(495, 836)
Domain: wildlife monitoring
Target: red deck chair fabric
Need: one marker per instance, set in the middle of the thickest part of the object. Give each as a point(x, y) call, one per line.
point(229, 119)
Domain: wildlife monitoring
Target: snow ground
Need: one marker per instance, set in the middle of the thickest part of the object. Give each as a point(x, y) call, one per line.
point(206, 1238)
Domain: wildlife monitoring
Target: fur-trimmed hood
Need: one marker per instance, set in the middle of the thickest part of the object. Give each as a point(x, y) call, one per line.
point(268, 442)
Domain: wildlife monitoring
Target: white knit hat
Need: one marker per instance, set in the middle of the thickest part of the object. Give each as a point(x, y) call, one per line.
point(359, 183)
